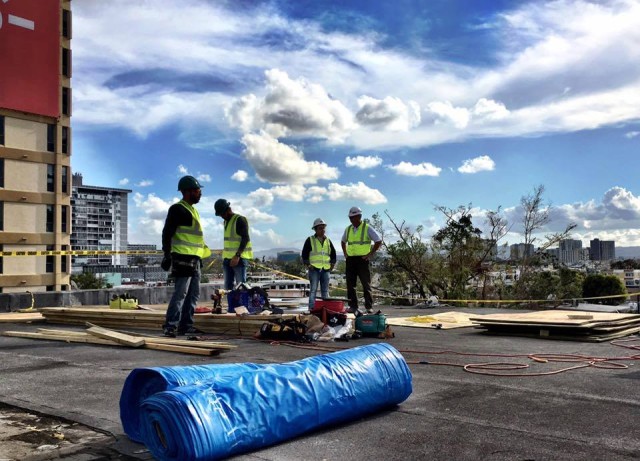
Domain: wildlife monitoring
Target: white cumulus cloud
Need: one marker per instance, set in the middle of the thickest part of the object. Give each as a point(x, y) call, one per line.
point(240, 176)
point(416, 169)
point(363, 162)
point(390, 113)
point(277, 162)
point(291, 107)
point(475, 165)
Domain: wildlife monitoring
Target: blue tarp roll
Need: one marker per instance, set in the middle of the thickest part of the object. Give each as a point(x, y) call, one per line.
point(144, 382)
point(249, 410)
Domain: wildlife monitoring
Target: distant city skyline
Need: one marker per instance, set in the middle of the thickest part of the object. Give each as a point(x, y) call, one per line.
point(294, 110)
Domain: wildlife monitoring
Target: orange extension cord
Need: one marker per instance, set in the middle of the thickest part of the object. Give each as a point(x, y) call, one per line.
point(505, 369)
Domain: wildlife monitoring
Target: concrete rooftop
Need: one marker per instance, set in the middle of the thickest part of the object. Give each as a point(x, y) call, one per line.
point(588, 413)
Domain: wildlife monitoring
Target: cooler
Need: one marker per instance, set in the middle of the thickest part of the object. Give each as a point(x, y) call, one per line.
point(330, 305)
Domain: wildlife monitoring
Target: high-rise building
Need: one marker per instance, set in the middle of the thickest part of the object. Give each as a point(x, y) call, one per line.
point(100, 217)
point(602, 250)
point(148, 257)
point(521, 250)
point(35, 144)
point(570, 251)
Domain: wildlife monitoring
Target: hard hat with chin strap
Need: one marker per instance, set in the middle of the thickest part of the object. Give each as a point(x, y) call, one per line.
point(318, 222)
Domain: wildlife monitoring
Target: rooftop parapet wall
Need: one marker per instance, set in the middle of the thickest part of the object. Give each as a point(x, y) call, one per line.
point(146, 295)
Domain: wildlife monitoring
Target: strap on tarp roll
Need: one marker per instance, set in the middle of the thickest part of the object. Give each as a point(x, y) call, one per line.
point(253, 409)
point(145, 382)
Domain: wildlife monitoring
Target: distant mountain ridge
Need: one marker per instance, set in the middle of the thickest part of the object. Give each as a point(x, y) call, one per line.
point(628, 252)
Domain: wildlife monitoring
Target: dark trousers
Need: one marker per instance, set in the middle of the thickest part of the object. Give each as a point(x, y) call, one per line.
point(358, 268)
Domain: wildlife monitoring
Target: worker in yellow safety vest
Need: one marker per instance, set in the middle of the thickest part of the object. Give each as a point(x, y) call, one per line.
point(184, 249)
point(237, 252)
point(357, 247)
point(319, 255)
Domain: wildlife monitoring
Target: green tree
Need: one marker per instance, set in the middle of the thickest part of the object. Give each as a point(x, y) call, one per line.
point(89, 281)
point(597, 285)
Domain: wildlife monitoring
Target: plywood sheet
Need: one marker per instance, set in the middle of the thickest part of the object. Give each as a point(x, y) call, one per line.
point(446, 320)
point(556, 317)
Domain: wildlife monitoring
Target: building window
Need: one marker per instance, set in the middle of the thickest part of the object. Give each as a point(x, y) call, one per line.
point(65, 139)
point(65, 179)
point(66, 24)
point(1, 172)
point(51, 178)
point(50, 219)
point(1, 216)
point(64, 261)
point(2, 129)
point(66, 101)
point(66, 62)
point(50, 263)
point(51, 137)
point(1, 260)
point(63, 218)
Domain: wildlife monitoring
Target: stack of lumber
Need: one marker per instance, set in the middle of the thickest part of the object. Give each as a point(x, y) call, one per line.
point(562, 324)
point(229, 324)
point(98, 335)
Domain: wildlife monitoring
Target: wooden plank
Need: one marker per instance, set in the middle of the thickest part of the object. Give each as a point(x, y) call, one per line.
point(183, 349)
point(69, 339)
point(188, 343)
point(50, 331)
point(17, 317)
point(121, 338)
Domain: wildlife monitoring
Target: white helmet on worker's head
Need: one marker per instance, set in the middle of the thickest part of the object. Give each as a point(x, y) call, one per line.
point(318, 222)
point(355, 211)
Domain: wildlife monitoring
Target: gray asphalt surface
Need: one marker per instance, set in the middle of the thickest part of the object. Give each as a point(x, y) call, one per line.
point(588, 413)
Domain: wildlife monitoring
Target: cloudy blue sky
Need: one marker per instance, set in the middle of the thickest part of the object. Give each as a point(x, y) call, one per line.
point(300, 109)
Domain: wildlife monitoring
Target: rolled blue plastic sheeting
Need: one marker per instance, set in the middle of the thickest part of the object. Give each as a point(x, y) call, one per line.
point(253, 409)
point(145, 382)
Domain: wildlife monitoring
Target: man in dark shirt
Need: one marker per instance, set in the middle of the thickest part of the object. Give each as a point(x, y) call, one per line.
point(238, 251)
point(183, 246)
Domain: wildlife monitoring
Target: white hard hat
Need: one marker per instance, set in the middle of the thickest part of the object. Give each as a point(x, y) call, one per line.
point(318, 222)
point(354, 211)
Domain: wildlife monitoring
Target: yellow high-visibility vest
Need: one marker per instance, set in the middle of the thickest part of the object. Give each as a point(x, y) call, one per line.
point(189, 240)
point(358, 242)
point(232, 241)
point(320, 255)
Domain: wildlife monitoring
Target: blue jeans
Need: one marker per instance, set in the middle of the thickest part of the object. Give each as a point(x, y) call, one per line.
point(318, 275)
point(239, 273)
point(183, 302)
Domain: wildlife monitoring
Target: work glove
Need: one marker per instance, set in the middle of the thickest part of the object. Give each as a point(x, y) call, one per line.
point(166, 263)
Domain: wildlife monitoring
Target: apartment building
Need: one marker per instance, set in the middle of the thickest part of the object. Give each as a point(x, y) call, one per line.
point(602, 250)
point(35, 144)
point(100, 220)
point(570, 251)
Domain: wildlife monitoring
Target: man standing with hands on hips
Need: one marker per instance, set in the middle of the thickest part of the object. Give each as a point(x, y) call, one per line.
point(357, 249)
point(237, 251)
point(184, 249)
